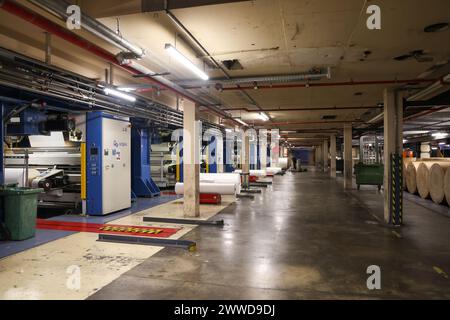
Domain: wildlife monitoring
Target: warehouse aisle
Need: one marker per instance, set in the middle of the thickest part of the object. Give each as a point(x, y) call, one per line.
point(304, 238)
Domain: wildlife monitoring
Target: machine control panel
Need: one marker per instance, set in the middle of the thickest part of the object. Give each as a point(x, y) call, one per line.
point(94, 160)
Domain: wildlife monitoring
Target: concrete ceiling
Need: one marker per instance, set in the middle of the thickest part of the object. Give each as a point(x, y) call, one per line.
point(290, 36)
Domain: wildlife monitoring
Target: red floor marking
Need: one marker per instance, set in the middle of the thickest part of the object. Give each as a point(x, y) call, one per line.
point(168, 193)
point(96, 228)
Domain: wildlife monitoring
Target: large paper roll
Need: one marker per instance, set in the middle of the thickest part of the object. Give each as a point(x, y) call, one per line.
point(17, 175)
point(411, 172)
point(437, 175)
point(256, 173)
point(406, 162)
point(273, 170)
point(220, 188)
point(423, 178)
point(283, 163)
point(222, 178)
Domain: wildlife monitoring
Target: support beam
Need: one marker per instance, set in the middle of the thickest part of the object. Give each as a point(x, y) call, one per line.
point(191, 161)
point(393, 141)
point(325, 156)
point(348, 163)
point(333, 156)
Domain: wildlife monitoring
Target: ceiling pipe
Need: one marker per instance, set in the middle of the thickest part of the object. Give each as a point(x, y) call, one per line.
point(331, 84)
point(287, 123)
point(199, 46)
point(51, 27)
point(304, 109)
point(59, 8)
point(262, 79)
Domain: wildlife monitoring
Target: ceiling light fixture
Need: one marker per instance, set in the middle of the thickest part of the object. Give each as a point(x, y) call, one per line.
point(263, 116)
point(241, 122)
point(439, 135)
point(185, 61)
point(119, 94)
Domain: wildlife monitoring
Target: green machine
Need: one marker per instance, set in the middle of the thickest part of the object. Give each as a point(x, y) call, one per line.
point(370, 170)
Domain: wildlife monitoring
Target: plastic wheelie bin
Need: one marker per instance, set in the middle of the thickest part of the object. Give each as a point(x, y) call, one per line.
point(19, 211)
point(369, 174)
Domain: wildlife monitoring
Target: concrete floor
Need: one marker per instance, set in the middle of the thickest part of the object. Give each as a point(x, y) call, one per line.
point(303, 238)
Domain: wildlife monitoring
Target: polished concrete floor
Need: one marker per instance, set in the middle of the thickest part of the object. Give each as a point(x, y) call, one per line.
point(302, 238)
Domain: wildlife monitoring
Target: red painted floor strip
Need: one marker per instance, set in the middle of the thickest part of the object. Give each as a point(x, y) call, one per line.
point(144, 231)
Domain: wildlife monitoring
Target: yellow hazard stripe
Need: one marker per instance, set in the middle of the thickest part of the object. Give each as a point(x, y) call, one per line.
point(83, 171)
point(131, 229)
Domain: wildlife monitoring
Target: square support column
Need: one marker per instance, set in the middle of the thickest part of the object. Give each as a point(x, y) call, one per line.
point(191, 160)
point(318, 156)
point(393, 141)
point(325, 156)
point(333, 156)
point(245, 159)
point(348, 163)
point(263, 148)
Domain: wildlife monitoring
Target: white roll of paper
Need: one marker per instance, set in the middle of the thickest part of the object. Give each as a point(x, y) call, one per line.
point(17, 175)
point(273, 170)
point(220, 188)
point(283, 163)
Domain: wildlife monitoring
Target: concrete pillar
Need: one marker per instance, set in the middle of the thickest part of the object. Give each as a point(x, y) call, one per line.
point(325, 156)
point(318, 156)
point(393, 140)
point(263, 148)
point(191, 161)
point(245, 159)
point(348, 166)
point(333, 156)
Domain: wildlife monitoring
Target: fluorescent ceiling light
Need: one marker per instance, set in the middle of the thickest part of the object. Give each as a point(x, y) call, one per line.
point(263, 116)
point(440, 135)
point(415, 132)
point(119, 94)
point(432, 91)
point(185, 61)
point(405, 141)
point(125, 89)
point(241, 122)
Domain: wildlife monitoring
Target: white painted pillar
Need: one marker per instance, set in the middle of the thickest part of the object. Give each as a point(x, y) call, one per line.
point(219, 154)
point(325, 156)
point(348, 165)
point(333, 156)
point(393, 140)
point(263, 148)
point(245, 159)
point(191, 160)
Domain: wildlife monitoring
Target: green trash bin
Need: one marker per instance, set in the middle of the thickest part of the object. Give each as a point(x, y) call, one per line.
point(20, 209)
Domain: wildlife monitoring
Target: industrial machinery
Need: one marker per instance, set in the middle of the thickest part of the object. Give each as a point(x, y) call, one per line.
point(108, 168)
point(43, 151)
point(82, 162)
point(162, 164)
point(370, 170)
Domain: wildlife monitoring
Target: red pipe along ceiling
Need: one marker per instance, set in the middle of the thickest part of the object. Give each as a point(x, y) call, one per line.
point(53, 28)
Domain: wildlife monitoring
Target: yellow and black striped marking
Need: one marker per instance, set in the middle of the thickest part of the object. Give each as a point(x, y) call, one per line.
point(131, 230)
